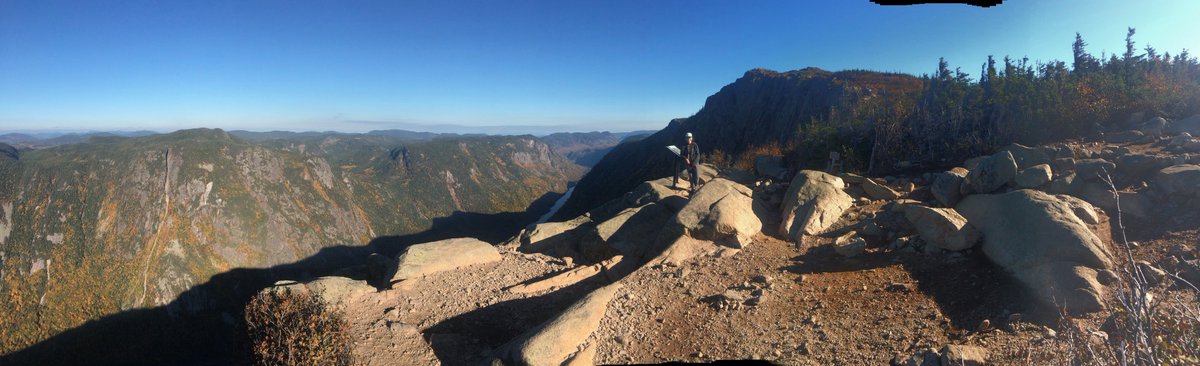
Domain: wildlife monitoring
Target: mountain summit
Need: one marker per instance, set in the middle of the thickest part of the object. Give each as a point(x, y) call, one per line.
point(762, 108)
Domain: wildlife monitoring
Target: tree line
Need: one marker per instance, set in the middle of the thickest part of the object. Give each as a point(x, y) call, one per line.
point(953, 116)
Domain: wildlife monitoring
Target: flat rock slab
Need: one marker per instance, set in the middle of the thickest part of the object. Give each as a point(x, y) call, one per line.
point(332, 290)
point(556, 341)
point(444, 255)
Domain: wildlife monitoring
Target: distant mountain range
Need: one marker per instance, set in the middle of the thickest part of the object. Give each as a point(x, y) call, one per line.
point(100, 223)
point(47, 139)
point(586, 148)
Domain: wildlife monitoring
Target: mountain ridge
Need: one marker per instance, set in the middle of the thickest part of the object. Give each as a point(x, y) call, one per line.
point(761, 108)
point(118, 223)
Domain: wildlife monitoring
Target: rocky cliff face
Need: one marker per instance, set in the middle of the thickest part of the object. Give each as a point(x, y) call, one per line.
point(117, 223)
point(760, 108)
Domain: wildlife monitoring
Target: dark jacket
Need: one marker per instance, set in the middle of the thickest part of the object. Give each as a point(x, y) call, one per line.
point(692, 153)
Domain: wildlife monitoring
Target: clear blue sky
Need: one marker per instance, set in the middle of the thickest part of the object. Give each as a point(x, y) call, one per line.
point(608, 65)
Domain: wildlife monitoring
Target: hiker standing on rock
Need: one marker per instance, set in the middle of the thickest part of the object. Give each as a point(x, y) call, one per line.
point(690, 156)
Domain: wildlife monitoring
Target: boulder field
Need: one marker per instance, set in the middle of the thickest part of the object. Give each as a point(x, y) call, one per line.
point(793, 269)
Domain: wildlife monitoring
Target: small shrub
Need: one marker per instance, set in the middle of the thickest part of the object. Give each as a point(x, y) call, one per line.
point(746, 160)
point(286, 328)
point(719, 159)
point(1142, 330)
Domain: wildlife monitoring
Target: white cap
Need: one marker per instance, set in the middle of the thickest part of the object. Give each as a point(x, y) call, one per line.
point(689, 135)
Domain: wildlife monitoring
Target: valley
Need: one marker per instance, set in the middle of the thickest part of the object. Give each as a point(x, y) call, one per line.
point(122, 223)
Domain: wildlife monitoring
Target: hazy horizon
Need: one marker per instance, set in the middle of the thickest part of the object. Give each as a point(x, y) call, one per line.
point(616, 66)
point(419, 128)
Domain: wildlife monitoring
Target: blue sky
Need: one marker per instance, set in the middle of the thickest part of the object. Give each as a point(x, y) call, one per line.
point(577, 65)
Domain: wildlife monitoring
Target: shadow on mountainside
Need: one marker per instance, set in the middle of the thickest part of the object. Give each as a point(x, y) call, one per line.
point(203, 325)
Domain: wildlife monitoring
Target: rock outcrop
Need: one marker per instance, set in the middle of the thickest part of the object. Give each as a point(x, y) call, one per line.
point(941, 227)
point(1094, 169)
point(556, 341)
point(1154, 127)
point(878, 191)
point(550, 237)
point(720, 212)
point(1034, 176)
point(444, 255)
point(570, 277)
point(333, 290)
point(947, 188)
point(1039, 240)
point(627, 233)
point(991, 173)
point(1179, 180)
point(1141, 165)
point(1026, 156)
point(812, 204)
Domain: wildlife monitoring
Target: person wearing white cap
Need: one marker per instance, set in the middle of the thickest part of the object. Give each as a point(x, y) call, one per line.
point(691, 158)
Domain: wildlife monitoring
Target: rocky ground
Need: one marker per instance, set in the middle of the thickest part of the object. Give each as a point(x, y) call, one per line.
point(812, 270)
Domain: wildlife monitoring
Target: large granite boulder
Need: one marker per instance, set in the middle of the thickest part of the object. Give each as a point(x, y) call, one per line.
point(443, 255)
point(1179, 180)
point(946, 188)
point(722, 211)
point(1034, 176)
point(1132, 204)
point(1026, 156)
point(991, 174)
point(814, 202)
point(556, 238)
point(1153, 127)
point(652, 191)
point(332, 290)
point(1141, 165)
point(941, 227)
point(630, 232)
point(1040, 240)
point(556, 341)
